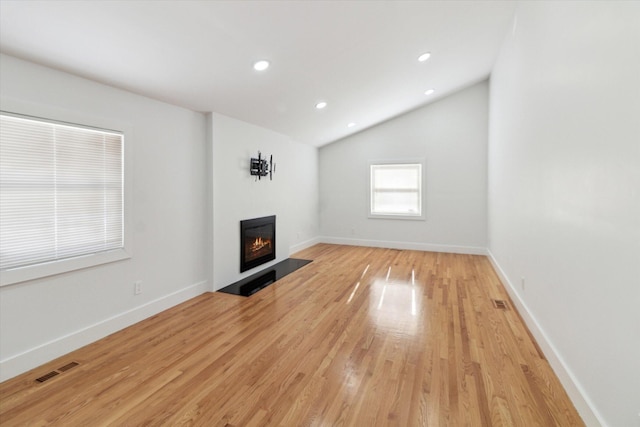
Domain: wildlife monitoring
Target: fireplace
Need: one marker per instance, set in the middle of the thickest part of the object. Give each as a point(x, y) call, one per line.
point(257, 242)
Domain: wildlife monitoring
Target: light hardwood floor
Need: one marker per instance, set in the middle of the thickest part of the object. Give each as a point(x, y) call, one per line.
point(361, 336)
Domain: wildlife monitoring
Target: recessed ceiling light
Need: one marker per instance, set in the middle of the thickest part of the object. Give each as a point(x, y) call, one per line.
point(429, 91)
point(424, 56)
point(261, 65)
point(350, 125)
point(320, 105)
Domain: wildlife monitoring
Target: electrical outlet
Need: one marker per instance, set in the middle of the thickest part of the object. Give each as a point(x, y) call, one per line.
point(137, 287)
point(522, 282)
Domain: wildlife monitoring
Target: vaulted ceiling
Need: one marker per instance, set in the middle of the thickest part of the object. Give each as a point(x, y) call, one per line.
point(360, 57)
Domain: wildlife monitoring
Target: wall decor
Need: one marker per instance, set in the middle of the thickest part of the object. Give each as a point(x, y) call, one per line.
point(261, 167)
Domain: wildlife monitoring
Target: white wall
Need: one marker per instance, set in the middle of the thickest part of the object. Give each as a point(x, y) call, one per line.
point(564, 194)
point(45, 318)
point(292, 195)
point(451, 134)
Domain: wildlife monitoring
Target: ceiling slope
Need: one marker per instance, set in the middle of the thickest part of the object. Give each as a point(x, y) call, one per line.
point(358, 56)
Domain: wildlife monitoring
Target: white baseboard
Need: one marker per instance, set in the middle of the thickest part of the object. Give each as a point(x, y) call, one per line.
point(303, 245)
point(576, 393)
point(20, 363)
point(428, 247)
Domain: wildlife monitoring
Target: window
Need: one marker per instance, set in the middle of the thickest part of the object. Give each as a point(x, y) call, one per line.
point(61, 196)
point(396, 190)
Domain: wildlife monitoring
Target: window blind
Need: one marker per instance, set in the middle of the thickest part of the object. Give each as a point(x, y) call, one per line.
point(61, 191)
point(396, 189)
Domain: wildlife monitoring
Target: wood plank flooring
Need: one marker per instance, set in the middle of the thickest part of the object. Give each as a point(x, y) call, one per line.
point(359, 337)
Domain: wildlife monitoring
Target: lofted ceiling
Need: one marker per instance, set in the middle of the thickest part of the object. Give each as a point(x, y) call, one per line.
point(358, 56)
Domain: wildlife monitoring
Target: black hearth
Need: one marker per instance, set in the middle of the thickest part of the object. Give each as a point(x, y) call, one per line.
point(257, 242)
point(260, 280)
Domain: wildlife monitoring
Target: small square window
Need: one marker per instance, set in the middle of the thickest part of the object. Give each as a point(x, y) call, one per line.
point(396, 190)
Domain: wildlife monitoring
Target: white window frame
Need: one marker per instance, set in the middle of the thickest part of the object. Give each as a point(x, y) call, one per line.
point(421, 191)
point(36, 271)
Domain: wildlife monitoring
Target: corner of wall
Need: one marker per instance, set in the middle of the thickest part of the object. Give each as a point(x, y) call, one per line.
point(303, 245)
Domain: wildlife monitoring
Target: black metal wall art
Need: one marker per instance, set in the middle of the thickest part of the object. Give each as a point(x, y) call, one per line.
point(261, 167)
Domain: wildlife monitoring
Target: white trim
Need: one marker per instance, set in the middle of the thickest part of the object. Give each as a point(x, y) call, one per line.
point(303, 245)
point(20, 363)
point(416, 246)
point(52, 268)
point(581, 401)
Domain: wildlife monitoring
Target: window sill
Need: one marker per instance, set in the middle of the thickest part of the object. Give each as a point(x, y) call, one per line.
point(401, 217)
point(38, 271)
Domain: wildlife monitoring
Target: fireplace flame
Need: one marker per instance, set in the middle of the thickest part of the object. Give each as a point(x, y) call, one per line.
point(260, 243)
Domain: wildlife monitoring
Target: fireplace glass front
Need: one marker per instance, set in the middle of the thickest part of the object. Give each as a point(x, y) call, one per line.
point(257, 242)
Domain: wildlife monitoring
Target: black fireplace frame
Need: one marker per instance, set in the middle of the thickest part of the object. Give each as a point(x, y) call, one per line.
point(254, 223)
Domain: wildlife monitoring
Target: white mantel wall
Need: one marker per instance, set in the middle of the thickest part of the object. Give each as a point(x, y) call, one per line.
point(564, 194)
point(292, 195)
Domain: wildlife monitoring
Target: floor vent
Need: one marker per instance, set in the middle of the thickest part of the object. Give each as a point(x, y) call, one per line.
point(500, 304)
point(52, 374)
point(47, 376)
point(68, 366)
